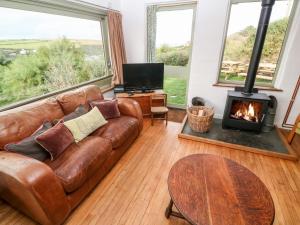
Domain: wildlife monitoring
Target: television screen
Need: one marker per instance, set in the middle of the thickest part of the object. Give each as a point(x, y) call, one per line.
point(143, 76)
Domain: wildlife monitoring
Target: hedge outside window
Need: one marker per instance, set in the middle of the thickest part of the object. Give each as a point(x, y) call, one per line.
point(241, 31)
point(47, 53)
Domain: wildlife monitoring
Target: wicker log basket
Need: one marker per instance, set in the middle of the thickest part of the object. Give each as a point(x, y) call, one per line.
point(200, 122)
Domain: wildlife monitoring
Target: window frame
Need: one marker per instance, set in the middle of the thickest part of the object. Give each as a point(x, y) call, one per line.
point(179, 6)
point(75, 9)
point(171, 6)
point(279, 60)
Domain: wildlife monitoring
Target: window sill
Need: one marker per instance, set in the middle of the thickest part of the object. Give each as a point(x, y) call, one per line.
point(54, 93)
point(238, 85)
point(104, 90)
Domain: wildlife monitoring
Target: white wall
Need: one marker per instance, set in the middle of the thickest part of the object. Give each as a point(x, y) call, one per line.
point(112, 4)
point(206, 55)
point(209, 30)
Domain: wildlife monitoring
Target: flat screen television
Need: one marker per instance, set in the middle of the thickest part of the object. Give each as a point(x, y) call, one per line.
point(143, 76)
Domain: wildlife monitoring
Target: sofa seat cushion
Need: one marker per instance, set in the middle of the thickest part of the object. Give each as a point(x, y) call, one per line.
point(80, 161)
point(118, 130)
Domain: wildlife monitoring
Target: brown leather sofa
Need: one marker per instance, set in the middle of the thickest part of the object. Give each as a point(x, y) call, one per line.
point(48, 191)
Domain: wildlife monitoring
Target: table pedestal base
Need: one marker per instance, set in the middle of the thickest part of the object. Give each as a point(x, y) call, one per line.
point(169, 212)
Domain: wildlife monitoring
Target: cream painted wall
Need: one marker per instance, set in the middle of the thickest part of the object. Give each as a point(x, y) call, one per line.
point(208, 35)
point(112, 4)
point(207, 50)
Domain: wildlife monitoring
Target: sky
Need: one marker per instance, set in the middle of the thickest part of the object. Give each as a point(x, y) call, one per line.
point(173, 27)
point(19, 24)
point(245, 14)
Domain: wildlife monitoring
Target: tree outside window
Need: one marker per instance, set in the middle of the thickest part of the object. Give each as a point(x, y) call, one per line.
point(47, 53)
point(240, 39)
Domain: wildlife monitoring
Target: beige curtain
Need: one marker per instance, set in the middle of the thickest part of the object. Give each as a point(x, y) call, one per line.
point(117, 47)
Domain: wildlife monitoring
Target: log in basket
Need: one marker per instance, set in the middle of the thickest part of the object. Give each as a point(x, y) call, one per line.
point(200, 118)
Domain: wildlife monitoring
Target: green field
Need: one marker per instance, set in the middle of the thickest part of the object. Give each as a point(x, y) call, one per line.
point(35, 43)
point(175, 87)
point(236, 78)
point(20, 44)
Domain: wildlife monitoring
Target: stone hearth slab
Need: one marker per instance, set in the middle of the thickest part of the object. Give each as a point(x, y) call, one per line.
point(271, 143)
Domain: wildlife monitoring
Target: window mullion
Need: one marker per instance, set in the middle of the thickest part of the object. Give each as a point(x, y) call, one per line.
point(105, 40)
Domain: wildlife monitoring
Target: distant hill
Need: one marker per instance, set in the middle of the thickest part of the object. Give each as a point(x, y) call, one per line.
point(239, 45)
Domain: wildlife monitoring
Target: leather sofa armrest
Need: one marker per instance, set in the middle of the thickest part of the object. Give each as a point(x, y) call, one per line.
point(130, 107)
point(32, 187)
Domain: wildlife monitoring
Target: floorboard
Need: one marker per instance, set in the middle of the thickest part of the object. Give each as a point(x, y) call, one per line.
point(135, 192)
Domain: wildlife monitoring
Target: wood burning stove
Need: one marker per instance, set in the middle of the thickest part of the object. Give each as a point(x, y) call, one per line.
point(245, 108)
point(245, 112)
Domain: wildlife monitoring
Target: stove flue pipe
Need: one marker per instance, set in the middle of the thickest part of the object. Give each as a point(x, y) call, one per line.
point(262, 28)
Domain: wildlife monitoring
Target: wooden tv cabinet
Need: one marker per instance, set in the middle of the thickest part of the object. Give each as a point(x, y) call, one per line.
point(143, 99)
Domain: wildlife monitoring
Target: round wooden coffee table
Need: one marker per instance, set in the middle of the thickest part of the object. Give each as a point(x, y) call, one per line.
point(208, 189)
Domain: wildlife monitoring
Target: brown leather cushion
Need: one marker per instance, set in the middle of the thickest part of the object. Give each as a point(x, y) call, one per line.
point(80, 161)
point(17, 124)
point(118, 130)
point(69, 101)
point(79, 111)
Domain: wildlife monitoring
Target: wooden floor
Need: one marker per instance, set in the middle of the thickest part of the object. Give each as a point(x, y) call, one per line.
point(135, 191)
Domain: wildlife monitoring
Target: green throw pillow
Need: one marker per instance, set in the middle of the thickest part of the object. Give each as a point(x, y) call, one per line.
point(86, 124)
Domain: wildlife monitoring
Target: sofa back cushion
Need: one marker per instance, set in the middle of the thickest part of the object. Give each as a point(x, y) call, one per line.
point(69, 101)
point(79, 111)
point(29, 147)
point(17, 124)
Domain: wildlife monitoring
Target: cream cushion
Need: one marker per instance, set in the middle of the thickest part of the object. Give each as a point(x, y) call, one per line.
point(86, 124)
point(159, 109)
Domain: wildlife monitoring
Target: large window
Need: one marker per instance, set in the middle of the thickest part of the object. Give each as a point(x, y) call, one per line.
point(170, 40)
point(42, 53)
point(241, 31)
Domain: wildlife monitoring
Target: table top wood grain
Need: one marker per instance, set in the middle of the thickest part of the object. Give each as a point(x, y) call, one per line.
point(208, 189)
